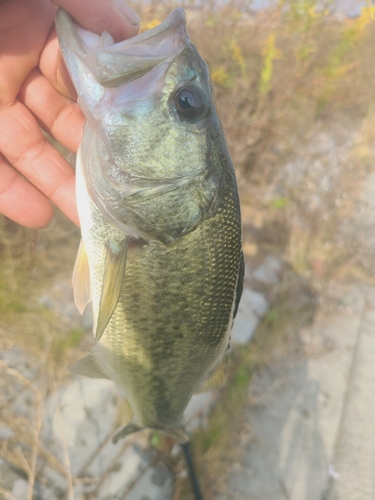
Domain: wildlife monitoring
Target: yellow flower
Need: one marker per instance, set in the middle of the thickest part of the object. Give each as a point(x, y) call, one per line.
point(221, 76)
point(148, 25)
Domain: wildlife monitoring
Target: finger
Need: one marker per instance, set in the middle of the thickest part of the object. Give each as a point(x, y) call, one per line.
point(114, 16)
point(22, 202)
point(56, 114)
point(36, 159)
point(24, 27)
point(52, 66)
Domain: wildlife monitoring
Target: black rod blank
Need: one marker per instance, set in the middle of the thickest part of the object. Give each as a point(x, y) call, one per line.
point(192, 473)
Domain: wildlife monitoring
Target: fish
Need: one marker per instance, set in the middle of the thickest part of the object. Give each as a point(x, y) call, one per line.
point(161, 251)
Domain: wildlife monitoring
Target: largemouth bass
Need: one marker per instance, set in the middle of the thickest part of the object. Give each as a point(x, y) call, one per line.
point(161, 255)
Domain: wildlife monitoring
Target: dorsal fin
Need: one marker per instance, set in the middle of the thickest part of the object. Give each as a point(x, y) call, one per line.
point(216, 379)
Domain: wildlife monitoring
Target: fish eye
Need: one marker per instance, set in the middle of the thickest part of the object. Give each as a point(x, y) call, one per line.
point(189, 103)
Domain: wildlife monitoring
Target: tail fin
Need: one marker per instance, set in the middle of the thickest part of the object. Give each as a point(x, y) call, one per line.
point(178, 433)
point(181, 435)
point(125, 431)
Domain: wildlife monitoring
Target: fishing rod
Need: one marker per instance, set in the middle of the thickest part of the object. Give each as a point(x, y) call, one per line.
point(192, 471)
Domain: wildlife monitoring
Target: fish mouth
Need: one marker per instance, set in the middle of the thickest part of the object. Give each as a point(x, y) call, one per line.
point(115, 64)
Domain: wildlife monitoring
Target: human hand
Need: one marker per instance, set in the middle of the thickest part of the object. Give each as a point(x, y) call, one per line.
point(36, 91)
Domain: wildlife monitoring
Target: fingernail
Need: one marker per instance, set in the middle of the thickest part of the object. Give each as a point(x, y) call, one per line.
point(49, 226)
point(129, 13)
point(64, 82)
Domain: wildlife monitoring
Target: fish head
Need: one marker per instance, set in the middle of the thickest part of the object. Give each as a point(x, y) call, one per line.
point(153, 152)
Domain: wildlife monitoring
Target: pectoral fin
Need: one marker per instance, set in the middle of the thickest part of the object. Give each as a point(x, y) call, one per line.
point(89, 367)
point(216, 379)
point(114, 273)
point(81, 279)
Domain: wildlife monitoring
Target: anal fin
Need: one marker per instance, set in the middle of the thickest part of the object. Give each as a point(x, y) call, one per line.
point(216, 379)
point(81, 279)
point(89, 367)
point(113, 277)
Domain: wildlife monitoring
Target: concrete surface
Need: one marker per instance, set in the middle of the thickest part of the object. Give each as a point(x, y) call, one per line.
point(252, 308)
point(354, 454)
point(311, 433)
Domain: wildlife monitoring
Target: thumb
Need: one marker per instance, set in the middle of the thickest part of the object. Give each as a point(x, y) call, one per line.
point(114, 16)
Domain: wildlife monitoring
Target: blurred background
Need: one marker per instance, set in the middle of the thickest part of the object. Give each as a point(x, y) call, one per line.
point(294, 86)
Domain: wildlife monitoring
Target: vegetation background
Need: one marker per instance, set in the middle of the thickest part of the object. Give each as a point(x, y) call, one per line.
point(282, 77)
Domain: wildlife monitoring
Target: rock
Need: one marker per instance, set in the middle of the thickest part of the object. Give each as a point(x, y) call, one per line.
point(256, 301)
point(5, 432)
point(80, 421)
point(156, 484)
point(87, 319)
point(252, 307)
point(54, 485)
point(196, 412)
point(20, 488)
point(107, 455)
point(79, 492)
point(79, 418)
point(19, 360)
point(269, 271)
point(24, 402)
point(11, 481)
point(244, 327)
point(122, 473)
point(60, 300)
point(313, 175)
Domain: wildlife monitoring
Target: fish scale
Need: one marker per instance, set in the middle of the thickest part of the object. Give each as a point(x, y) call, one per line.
point(195, 319)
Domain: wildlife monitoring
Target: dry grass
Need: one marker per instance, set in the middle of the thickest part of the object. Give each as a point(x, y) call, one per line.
point(31, 262)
